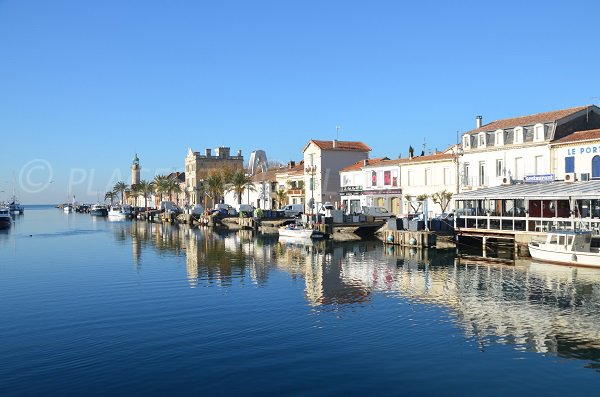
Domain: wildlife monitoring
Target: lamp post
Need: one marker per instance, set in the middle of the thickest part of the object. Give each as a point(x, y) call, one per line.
point(311, 169)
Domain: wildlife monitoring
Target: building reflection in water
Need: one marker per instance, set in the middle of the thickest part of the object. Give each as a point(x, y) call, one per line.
point(542, 308)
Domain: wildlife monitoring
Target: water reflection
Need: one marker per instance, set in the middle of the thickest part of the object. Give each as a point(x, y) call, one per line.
point(536, 307)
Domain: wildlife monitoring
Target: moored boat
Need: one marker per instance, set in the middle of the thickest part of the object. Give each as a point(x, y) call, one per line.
point(299, 232)
point(15, 207)
point(68, 208)
point(5, 218)
point(120, 212)
point(567, 247)
point(99, 210)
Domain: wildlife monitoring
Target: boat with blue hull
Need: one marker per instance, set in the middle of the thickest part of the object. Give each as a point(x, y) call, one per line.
point(5, 218)
point(99, 210)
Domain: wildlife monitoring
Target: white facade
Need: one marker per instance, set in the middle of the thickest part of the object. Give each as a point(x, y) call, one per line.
point(383, 187)
point(427, 175)
point(323, 161)
point(577, 156)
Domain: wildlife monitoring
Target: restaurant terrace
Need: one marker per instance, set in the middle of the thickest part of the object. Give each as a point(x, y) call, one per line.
point(530, 207)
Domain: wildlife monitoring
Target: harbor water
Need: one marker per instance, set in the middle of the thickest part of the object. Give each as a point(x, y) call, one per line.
point(93, 307)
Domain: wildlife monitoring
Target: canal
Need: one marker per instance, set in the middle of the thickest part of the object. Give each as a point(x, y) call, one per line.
point(92, 307)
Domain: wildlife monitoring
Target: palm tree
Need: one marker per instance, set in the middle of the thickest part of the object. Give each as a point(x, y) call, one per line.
point(120, 188)
point(110, 196)
point(240, 182)
point(161, 185)
point(172, 186)
point(145, 188)
point(280, 197)
point(214, 187)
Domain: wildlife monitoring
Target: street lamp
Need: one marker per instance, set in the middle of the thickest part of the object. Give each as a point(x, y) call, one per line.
point(311, 169)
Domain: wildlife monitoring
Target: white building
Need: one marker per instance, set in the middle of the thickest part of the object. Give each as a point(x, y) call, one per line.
point(323, 161)
point(577, 156)
point(352, 183)
point(517, 149)
point(382, 186)
point(426, 176)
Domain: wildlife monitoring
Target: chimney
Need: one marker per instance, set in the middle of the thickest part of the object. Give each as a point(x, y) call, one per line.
point(291, 164)
point(207, 152)
point(239, 153)
point(479, 121)
point(365, 162)
point(334, 143)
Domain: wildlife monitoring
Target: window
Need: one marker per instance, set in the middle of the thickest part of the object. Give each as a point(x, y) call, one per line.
point(446, 176)
point(466, 181)
point(499, 138)
point(409, 178)
point(519, 168)
point(374, 178)
point(570, 164)
point(387, 178)
point(539, 165)
point(499, 167)
point(394, 178)
point(518, 135)
point(481, 142)
point(538, 133)
point(481, 173)
point(466, 142)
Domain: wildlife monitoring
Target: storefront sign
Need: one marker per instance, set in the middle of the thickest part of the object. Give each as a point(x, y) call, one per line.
point(582, 150)
point(544, 178)
point(383, 191)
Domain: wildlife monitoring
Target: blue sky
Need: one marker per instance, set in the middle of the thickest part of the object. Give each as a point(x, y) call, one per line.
point(85, 85)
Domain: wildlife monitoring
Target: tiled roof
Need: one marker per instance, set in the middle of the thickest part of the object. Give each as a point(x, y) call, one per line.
point(424, 159)
point(580, 136)
point(340, 145)
point(267, 176)
point(361, 163)
point(528, 120)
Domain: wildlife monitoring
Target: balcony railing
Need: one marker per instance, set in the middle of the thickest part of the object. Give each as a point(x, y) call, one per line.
point(295, 192)
point(526, 223)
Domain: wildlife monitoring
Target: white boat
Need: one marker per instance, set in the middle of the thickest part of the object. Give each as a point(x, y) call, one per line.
point(99, 210)
point(5, 218)
point(119, 212)
point(299, 232)
point(68, 208)
point(567, 247)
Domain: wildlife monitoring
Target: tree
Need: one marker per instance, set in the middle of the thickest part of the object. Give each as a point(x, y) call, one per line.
point(240, 182)
point(420, 199)
point(214, 187)
point(280, 197)
point(172, 186)
point(442, 199)
point(161, 185)
point(120, 188)
point(145, 188)
point(110, 196)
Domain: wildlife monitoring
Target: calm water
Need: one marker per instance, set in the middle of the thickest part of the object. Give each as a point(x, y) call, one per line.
point(91, 307)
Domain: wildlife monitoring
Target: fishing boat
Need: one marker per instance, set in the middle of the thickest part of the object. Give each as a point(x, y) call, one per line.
point(67, 208)
point(567, 247)
point(99, 210)
point(15, 207)
point(296, 231)
point(5, 218)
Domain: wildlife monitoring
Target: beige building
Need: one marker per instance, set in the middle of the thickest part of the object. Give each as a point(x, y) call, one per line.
point(323, 161)
point(199, 166)
point(291, 180)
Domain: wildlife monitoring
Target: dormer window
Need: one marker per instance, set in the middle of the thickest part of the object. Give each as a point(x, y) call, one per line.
point(467, 142)
point(538, 133)
point(499, 141)
point(518, 138)
point(481, 140)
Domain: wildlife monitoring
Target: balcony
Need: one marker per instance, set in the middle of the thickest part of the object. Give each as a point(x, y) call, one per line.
point(295, 192)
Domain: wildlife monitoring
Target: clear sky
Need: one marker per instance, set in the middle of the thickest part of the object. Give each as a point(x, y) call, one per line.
point(86, 84)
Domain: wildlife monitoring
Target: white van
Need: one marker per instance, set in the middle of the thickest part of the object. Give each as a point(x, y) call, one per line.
point(377, 212)
point(247, 209)
point(292, 210)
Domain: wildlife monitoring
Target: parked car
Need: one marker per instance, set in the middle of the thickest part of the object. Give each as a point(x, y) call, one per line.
point(225, 209)
point(245, 209)
point(377, 212)
point(324, 207)
point(292, 210)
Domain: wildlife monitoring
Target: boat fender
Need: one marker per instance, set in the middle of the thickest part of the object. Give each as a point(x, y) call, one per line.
point(574, 258)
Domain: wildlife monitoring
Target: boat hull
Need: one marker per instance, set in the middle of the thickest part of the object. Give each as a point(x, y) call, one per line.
point(5, 222)
point(300, 233)
point(99, 212)
point(570, 258)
